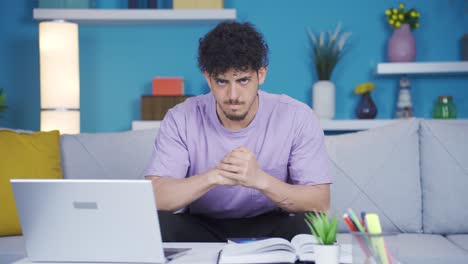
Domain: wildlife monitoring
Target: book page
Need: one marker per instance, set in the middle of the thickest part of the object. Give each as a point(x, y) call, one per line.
point(266, 245)
point(303, 243)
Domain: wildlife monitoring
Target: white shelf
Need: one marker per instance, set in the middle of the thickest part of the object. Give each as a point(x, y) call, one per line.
point(460, 67)
point(134, 16)
point(327, 125)
point(351, 125)
point(331, 125)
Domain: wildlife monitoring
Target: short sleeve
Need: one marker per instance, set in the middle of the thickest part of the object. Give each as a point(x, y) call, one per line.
point(308, 162)
point(170, 156)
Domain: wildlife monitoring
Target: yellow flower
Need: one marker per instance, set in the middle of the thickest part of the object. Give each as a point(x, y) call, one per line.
point(391, 22)
point(394, 17)
point(397, 24)
point(401, 16)
point(364, 88)
point(416, 25)
point(388, 12)
point(413, 14)
point(394, 11)
point(402, 6)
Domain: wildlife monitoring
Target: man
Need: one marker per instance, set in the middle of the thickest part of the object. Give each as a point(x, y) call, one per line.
point(238, 160)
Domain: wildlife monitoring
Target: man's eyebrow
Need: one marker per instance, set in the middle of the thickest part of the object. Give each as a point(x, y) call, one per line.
point(219, 79)
point(248, 77)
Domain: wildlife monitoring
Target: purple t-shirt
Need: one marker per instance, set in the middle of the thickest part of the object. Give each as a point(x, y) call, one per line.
point(284, 135)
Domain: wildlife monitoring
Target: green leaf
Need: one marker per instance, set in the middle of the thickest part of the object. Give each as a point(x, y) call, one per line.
point(322, 227)
point(331, 236)
point(318, 224)
point(312, 230)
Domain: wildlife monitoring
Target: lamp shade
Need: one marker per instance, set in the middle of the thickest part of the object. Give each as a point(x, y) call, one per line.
point(68, 122)
point(60, 76)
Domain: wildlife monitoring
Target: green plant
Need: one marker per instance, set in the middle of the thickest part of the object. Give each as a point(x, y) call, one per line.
point(3, 107)
point(327, 50)
point(323, 228)
point(399, 16)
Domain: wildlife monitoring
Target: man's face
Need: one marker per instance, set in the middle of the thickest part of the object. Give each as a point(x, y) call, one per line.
point(236, 91)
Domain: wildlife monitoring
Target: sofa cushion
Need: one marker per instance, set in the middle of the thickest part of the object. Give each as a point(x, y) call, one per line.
point(459, 240)
point(107, 155)
point(24, 156)
point(12, 245)
point(378, 171)
point(444, 168)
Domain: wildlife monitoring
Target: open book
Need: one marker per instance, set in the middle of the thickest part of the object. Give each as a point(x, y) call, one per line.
point(273, 250)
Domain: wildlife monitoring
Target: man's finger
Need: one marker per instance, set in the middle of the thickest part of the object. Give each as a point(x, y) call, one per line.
point(229, 167)
point(229, 175)
point(241, 155)
point(233, 160)
point(242, 149)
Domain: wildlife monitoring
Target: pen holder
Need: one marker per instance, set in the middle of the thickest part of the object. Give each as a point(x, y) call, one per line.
point(374, 249)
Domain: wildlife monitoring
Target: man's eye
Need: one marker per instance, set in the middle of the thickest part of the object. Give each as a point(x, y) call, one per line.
point(244, 81)
point(221, 82)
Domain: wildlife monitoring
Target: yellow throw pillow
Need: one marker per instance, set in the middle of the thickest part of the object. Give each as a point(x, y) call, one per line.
point(24, 156)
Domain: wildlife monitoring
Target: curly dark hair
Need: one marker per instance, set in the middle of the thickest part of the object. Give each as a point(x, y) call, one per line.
point(232, 45)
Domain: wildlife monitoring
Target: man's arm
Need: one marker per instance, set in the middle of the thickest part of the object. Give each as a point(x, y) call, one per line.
point(241, 166)
point(173, 194)
point(296, 198)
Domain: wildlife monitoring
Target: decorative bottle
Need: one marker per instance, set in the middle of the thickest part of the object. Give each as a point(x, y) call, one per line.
point(404, 105)
point(444, 108)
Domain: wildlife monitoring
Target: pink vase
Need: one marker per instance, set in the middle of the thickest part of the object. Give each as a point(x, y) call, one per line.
point(402, 45)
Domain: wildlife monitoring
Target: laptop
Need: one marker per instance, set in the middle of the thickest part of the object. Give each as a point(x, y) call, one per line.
point(90, 221)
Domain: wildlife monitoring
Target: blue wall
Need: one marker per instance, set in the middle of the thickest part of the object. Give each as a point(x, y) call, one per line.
point(118, 62)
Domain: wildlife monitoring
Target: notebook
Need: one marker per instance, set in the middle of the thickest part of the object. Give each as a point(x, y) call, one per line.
point(90, 221)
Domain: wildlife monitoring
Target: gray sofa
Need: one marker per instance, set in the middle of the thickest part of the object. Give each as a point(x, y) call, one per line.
point(412, 173)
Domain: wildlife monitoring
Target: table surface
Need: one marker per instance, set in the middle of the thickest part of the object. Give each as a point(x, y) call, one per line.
point(203, 253)
point(200, 253)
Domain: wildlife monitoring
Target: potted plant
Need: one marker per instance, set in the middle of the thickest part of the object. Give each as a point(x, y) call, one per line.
point(327, 50)
point(324, 229)
point(402, 44)
point(3, 107)
point(366, 108)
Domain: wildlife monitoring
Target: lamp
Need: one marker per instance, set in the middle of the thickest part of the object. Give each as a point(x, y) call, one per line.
point(60, 76)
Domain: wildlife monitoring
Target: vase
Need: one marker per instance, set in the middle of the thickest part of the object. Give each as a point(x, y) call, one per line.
point(402, 45)
point(327, 254)
point(366, 108)
point(323, 99)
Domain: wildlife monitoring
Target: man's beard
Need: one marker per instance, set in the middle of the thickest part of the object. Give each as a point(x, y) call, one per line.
point(234, 117)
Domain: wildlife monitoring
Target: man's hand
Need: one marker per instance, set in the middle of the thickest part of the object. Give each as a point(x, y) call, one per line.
point(217, 179)
point(241, 166)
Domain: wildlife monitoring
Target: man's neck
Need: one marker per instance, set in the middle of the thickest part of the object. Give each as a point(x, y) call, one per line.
point(238, 125)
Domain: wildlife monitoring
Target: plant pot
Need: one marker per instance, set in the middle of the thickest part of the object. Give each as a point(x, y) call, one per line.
point(323, 99)
point(366, 108)
point(327, 254)
point(402, 45)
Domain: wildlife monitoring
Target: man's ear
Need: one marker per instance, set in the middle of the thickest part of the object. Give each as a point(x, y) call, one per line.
point(207, 78)
point(262, 72)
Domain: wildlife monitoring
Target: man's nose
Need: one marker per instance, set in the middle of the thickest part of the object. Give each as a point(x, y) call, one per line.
point(233, 92)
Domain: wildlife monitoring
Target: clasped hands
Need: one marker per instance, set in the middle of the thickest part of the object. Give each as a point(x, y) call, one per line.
point(240, 167)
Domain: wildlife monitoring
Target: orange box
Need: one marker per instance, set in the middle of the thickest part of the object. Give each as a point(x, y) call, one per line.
point(168, 86)
point(198, 4)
